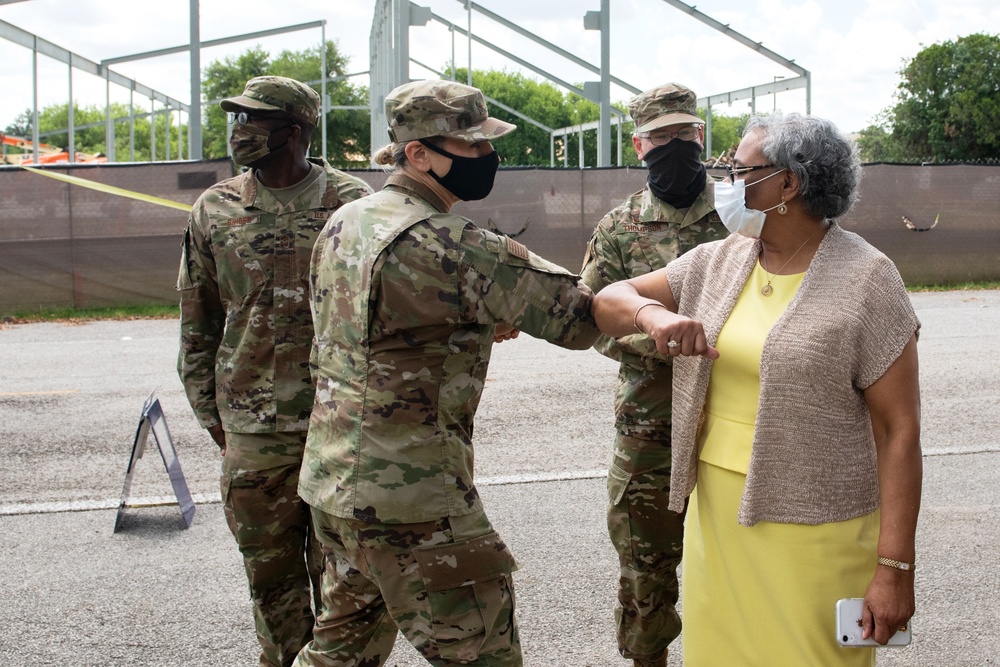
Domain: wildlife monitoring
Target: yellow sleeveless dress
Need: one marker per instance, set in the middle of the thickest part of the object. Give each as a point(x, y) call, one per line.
point(762, 596)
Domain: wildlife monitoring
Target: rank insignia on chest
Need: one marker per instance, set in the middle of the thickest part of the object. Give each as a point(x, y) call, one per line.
point(236, 222)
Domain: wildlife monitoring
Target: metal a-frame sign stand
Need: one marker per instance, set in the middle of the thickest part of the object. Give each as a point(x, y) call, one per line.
point(152, 419)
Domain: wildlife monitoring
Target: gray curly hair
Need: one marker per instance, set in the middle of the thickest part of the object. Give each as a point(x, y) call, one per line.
point(814, 149)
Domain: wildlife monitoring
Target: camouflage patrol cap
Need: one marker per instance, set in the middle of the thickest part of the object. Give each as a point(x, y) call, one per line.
point(434, 108)
point(277, 93)
point(668, 104)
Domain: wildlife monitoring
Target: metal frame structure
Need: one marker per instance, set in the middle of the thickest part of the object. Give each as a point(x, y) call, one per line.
point(195, 46)
point(390, 60)
point(41, 46)
point(103, 70)
point(389, 72)
point(777, 85)
point(389, 67)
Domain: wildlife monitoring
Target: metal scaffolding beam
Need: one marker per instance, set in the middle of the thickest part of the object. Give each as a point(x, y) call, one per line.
point(213, 42)
point(590, 67)
point(30, 41)
point(804, 74)
point(38, 45)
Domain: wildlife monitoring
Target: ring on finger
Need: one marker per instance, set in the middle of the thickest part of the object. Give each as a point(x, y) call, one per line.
point(672, 344)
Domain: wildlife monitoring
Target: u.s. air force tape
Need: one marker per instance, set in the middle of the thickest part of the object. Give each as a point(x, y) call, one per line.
point(110, 189)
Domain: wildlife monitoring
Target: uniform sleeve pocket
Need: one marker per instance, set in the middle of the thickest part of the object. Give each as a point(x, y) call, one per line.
point(470, 596)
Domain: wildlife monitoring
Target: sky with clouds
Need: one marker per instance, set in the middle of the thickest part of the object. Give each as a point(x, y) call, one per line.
point(854, 49)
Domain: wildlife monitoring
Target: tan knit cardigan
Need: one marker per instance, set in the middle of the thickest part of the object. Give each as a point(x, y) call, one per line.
point(813, 457)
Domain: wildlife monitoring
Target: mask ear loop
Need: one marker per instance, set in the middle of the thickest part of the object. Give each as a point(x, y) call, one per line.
point(781, 208)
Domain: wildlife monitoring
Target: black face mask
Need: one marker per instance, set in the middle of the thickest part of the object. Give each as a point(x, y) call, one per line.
point(470, 178)
point(676, 173)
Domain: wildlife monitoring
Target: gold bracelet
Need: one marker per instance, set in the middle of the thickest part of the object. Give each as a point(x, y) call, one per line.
point(635, 318)
point(899, 565)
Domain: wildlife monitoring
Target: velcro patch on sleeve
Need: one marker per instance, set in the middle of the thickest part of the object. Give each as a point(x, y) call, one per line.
point(517, 249)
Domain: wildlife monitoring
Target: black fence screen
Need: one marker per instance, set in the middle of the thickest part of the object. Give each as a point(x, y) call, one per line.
point(64, 245)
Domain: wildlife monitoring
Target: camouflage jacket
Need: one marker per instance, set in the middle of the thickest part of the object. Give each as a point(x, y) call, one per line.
point(246, 327)
point(405, 299)
point(641, 235)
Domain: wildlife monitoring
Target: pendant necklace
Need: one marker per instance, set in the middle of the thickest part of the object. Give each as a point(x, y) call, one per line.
point(767, 290)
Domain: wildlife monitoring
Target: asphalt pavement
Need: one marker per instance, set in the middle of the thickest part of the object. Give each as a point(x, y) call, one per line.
point(72, 592)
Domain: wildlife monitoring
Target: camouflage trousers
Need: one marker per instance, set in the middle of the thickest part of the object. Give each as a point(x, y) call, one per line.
point(260, 478)
point(648, 538)
point(446, 585)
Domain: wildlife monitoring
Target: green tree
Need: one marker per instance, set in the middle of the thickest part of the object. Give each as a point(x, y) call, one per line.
point(876, 143)
point(726, 133)
point(55, 119)
point(544, 103)
point(20, 126)
point(348, 140)
point(948, 105)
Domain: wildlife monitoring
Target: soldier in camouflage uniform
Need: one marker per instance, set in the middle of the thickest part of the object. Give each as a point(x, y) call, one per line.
point(408, 299)
point(246, 333)
point(670, 215)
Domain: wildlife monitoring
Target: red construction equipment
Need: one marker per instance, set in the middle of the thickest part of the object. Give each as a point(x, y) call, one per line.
point(47, 154)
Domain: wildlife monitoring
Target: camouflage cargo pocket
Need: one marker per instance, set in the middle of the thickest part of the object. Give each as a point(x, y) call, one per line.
point(470, 595)
point(645, 533)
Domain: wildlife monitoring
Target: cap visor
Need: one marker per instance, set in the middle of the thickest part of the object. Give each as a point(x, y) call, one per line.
point(669, 119)
point(241, 102)
point(488, 130)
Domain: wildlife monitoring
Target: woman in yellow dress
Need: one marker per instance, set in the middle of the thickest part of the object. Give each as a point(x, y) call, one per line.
point(796, 429)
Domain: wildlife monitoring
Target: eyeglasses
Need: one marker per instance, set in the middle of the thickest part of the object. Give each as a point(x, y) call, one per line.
point(733, 172)
point(238, 117)
point(664, 137)
point(243, 117)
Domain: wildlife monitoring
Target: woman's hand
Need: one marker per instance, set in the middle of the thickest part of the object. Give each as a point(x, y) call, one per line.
point(646, 305)
point(674, 334)
point(889, 603)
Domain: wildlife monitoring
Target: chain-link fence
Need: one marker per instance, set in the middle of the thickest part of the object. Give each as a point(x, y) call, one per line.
point(64, 245)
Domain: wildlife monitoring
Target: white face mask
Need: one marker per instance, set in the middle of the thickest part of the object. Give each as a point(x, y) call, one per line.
point(731, 204)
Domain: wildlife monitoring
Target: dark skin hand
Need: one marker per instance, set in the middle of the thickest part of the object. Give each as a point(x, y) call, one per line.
point(219, 436)
point(504, 332)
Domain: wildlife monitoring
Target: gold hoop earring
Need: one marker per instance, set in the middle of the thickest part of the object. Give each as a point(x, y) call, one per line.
point(782, 208)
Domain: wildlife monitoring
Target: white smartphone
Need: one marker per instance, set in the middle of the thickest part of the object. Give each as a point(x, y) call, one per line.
point(849, 626)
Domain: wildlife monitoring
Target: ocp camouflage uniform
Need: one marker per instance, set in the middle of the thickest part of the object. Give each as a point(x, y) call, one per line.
point(641, 235)
point(406, 298)
point(246, 333)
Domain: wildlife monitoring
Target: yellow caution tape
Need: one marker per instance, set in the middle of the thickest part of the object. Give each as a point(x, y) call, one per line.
point(110, 189)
